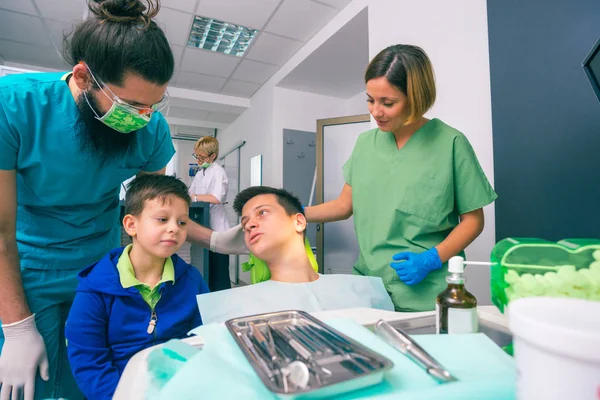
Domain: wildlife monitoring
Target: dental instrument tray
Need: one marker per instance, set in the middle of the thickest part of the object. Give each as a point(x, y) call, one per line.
point(297, 356)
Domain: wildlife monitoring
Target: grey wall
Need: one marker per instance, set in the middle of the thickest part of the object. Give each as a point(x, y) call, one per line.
point(546, 118)
point(299, 163)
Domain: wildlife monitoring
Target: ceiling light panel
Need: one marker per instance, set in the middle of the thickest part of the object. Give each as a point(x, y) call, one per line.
point(219, 36)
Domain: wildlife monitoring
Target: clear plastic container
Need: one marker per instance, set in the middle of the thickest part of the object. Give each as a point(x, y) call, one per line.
point(529, 267)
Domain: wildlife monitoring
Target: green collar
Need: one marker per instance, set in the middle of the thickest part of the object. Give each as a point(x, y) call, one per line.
point(127, 273)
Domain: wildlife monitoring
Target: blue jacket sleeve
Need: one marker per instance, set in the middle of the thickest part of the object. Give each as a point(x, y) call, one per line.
point(87, 347)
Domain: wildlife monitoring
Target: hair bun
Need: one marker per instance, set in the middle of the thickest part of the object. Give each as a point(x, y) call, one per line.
point(125, 10)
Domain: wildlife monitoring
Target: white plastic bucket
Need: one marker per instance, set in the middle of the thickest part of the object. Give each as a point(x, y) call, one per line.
point(556, 347)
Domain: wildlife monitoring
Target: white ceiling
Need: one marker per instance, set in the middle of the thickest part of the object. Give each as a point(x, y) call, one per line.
point(338, 66)
point(31, 33)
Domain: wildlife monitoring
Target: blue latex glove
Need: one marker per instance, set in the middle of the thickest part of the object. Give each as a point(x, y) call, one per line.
point(412, 268)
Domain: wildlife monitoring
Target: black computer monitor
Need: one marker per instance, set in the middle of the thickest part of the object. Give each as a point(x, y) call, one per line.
point(591, 66)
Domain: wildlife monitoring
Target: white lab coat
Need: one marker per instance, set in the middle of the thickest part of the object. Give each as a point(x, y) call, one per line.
point(213, 180)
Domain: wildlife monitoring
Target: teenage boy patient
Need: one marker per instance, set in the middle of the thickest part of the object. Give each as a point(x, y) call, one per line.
point(137, 296)
point(274, 228)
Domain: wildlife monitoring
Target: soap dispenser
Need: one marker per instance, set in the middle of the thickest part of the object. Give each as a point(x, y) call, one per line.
point(456, 308)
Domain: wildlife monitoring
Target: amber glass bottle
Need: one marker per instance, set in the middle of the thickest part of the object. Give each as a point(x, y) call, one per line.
point(456, 308)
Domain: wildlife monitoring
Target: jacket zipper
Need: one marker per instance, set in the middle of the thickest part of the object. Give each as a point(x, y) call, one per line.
point(153, 319)
point(152, 324)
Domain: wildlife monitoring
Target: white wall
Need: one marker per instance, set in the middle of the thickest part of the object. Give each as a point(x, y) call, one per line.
point(357, 104)
point(262, 126)
point(455, 36)
point(182, 159)
point(255, 126)
point(300, 111)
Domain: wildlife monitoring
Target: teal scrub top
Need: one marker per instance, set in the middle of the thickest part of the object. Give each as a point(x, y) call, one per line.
point(68, 199)
point(410, 199)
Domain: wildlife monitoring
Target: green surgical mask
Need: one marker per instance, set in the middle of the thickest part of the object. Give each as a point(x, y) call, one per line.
point(121, 118)
point(205, 165)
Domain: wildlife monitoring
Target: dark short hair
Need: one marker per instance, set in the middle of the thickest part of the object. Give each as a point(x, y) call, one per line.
point(409, 69)
point(150, 187)
point(120, 37)
point(290, 203)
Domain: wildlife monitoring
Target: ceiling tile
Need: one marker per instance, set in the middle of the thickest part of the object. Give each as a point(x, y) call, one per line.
point(252, 71)
point(205, 105)
point(300, 19)
point(190, 80)
point(56, 31)
point(339, 4)
point(239, 88)
point(175, 24)
point(273, 49)
point(189, 113)
point(183, 5)
point(23, 28)
point(24, 6)
point(31, 55)
point(63, 10)
point(250, 13)
point(209, 63)
point(221, 117)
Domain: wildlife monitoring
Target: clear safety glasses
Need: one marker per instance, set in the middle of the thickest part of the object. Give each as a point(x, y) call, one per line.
point(161, 105)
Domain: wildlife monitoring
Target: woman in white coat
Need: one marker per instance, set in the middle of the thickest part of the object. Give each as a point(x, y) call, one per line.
point(210, 185)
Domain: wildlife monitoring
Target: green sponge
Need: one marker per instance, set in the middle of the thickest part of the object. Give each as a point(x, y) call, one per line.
point(568, 281)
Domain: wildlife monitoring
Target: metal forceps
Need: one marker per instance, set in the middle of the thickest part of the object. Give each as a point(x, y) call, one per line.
point(269, 348)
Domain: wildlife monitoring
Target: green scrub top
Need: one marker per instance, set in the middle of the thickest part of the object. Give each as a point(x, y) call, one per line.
point(410, 199)
point(68, 199)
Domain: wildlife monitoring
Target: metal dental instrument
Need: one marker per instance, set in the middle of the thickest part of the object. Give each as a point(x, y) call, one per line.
point(302, 340)
point(255, 354)
point(269, 348)
point(303, 353)
point(402, 342)
point(360, 363)
point(306, 339)
point(296, 372)
point(344, 344)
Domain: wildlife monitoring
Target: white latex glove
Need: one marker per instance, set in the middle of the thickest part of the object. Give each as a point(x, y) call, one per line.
point(230, 241)
point(23, 352)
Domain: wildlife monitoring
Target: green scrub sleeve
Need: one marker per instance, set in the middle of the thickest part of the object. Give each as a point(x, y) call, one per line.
point(9, 142)
point(163, 148)
point(347, 169)
point(472, 190)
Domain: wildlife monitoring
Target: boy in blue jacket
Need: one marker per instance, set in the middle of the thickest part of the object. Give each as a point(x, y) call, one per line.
point(137, 296)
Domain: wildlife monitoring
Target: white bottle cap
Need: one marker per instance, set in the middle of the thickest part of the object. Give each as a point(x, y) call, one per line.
point(456, 265)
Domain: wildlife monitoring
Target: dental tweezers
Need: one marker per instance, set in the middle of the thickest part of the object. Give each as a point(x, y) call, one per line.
point(402, 342)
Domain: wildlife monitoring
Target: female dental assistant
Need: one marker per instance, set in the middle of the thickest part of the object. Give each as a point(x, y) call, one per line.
point(67, 141)
point(210, 185)
point(414, 185)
